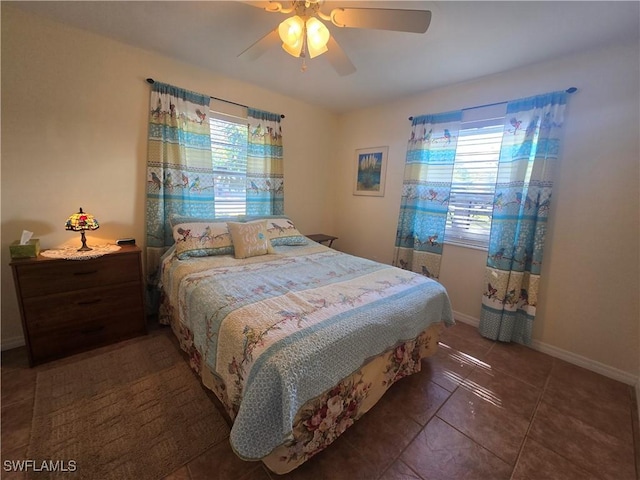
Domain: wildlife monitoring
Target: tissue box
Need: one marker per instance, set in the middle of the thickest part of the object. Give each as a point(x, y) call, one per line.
point(31, 249)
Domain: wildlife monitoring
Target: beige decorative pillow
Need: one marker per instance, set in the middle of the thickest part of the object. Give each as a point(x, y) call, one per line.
point(250, 239)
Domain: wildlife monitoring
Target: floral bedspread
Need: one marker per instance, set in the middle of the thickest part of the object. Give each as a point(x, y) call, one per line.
point(279, 330)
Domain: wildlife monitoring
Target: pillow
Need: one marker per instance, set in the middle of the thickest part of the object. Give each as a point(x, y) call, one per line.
point(202, 239)
point(282, 231)
point(250, 239)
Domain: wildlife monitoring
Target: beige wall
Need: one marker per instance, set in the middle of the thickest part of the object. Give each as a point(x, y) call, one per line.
point(74, 133)
point(590, 288)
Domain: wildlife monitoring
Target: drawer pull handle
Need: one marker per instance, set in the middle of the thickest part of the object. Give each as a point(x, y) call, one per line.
point(89, 331)
point(89, 302)
point(88, 272)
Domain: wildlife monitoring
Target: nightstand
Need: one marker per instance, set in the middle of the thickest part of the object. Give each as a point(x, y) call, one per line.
point(68, 306)
point(321, 238)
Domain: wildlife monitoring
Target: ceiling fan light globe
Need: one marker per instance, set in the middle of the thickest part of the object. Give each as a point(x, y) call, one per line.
point(292, 35)
point(314, 52)
point(293, 51)
point(317, 37)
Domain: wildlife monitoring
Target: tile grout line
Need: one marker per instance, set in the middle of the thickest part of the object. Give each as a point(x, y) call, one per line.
point(435, 414)
point(533, 417)
point(467, 436)
point(397, 458)
point(418, 433)
point(560, 454)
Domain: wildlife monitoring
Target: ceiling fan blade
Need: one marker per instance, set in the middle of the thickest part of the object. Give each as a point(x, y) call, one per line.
point(265, 43)
point(338, 59)
point(415, 21)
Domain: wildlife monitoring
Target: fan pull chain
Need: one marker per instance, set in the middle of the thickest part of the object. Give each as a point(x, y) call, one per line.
point(303, 53)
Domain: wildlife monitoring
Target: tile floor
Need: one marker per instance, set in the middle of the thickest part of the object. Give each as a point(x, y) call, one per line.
point(478, 410)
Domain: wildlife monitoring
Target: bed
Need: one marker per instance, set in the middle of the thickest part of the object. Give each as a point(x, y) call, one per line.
point(298, 343)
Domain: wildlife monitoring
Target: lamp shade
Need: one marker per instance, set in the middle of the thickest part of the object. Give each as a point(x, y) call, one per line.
point(317, 37)
point(79, 222)
point(82, 221)
point(292, 35)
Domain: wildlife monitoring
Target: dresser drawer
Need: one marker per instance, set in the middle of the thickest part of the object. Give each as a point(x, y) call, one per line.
point(64, 310)
point(45, 278)
point(92, 333)
point(69, 306)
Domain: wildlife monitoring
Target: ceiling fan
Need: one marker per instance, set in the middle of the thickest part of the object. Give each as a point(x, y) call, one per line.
point(305, 35)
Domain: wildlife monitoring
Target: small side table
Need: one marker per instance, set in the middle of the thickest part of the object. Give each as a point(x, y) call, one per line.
point(321, 238)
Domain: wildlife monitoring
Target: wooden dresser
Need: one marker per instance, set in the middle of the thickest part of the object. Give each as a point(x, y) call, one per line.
point(68, 306)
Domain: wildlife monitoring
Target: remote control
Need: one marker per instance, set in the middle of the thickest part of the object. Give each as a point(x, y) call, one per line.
point(126, 241)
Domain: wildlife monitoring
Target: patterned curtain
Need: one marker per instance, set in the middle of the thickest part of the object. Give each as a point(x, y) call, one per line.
point(179, 166)
point(425, 192)
point(265, 179)
point(530, 147)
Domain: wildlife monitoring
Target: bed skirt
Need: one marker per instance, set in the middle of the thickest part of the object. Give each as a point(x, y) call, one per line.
point(323, 419)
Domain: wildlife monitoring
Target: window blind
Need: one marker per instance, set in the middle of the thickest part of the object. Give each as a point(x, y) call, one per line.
point(473, 186)
point(229, 153)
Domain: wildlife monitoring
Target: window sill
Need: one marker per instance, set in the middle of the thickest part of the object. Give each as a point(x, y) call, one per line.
point(466, 245)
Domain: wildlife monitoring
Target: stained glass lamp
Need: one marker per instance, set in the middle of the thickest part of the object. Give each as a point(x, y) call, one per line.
point(79, 222)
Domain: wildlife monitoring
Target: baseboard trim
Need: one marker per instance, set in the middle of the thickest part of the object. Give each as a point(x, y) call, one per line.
point(11, 342)
point(570, 357)
point(587, 363)
point(469, 320)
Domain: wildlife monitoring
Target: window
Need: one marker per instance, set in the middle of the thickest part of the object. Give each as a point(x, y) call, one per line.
point(229, 135)
point(474, 177)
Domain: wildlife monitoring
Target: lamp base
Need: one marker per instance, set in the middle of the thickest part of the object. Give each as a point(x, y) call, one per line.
point(84, 247)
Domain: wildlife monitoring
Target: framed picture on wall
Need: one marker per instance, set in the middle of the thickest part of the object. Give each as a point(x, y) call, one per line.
point(370, 171)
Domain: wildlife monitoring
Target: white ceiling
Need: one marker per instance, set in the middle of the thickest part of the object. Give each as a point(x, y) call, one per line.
point(466, 40)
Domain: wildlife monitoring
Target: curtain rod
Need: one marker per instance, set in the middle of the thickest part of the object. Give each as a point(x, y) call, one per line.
point(568, 90)
point(151, 81)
